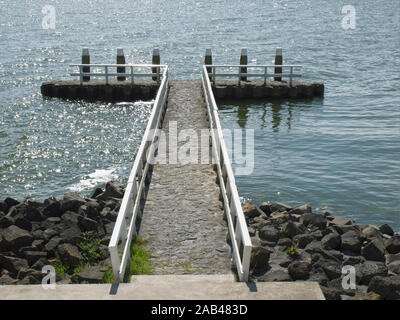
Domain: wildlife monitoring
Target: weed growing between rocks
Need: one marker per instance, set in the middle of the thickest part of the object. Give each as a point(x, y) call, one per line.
point(139, 263)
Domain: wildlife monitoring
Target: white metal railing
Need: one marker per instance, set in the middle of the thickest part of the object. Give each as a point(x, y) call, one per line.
point(108, 68)
point(125, 225)
point(239, 234)
point(280, 71)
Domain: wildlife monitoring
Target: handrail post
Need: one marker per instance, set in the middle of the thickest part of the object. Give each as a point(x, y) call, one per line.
point(243, 61)
point(106, 72)
point(291, 76)
point(208, 61)
point(80, 75)
point(156, 60)
point(213, 74)
point(86, 60)
point(265, 75)
point(131, 74)
point(120, 60)
point(278, 62)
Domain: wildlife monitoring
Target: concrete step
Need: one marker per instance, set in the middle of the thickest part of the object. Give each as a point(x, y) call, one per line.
point(170, 287)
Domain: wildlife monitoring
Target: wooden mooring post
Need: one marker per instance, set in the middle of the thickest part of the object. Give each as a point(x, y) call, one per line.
point(243, 61)
point(85, 60)
point(156, 60)
point(278, 62)
point(120, 60)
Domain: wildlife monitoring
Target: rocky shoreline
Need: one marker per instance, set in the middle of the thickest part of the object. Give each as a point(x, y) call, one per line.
point(71, 235)
point(289, 244)
point(294, 244)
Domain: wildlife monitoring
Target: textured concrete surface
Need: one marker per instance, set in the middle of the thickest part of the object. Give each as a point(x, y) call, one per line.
point(183, 216)
point(170, 287)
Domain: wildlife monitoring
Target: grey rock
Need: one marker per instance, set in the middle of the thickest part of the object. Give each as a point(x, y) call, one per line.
point(331, 293)
point(353, 260)
point(392, 257)
point(33, 214)
point(69, 254)
point(12, 264)
point(72, 202)
point(10, 202)
point(52, 208)
point(301, 210)
point(259, 260)
point(275, 274)
point(113, 189)
point(6, 221)
point(331, 241)
point(284, 242)
point(337, 220)
point(299, 270)
point(39, 264)
point(317, 274)
point(96, 192)
point(303, 239)
point(369, 269)
point(392, 245)
point(91, 209)
point(370, 233)
point(387, 287)
point(386, 229)
point(23, 223)
point(289, 229)
point(313, 220)
point(15, 237)
point(33, 256)
point(6, 279)
point(91, 275)
point(53, 243)
point(49, 233)
point(281, 207)
point(332, 269)
point(269, 233)
point(72, 235)
point(374, 251)
point(250, 210)
point(394, 267)
point(351, 242)
point(265, 207)
point(87, 224)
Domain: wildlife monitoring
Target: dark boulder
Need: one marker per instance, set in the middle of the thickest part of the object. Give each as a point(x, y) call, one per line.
point(392, 245)
point(299, 270)
point(52, 244)
point(69, 254)
point(387, 287)
point(10, 202)
point(303, 240)
point(87, 224)
point(12, 264)
point(33, 256)
point(281, 207)
point(331, 293)
point(95, 193)
point(386, 229)
point(301, 210)
point(90, 209)
point(370, 233)
point(394, 267)
point(114, 189)
point(331, 241)
point(72, 202)
point(290, 229)
point(52, 208)
point(33, 214)
point(275, 274)
point(259, 260)
point(91, 275)
point(6, 221)
point(265, 207)
point(269, 233)
point(313, 220)
point(351, 241)
point(72, 235)
point(374, 250)
point(250, 210)
point(23, 223)
point(16, 237)
point(369, 269)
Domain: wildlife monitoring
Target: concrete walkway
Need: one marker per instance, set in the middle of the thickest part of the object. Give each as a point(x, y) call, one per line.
point(183, 216)
point(170, 287)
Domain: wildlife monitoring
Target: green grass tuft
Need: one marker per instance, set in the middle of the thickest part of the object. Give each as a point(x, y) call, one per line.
point(140, 259)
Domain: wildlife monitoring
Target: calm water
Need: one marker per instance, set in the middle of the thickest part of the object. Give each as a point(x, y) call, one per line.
point(340, 153)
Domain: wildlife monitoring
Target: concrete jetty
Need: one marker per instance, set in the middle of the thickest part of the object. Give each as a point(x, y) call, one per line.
point(182, 217)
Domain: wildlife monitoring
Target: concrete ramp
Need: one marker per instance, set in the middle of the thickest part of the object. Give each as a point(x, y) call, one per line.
point(170, 287)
